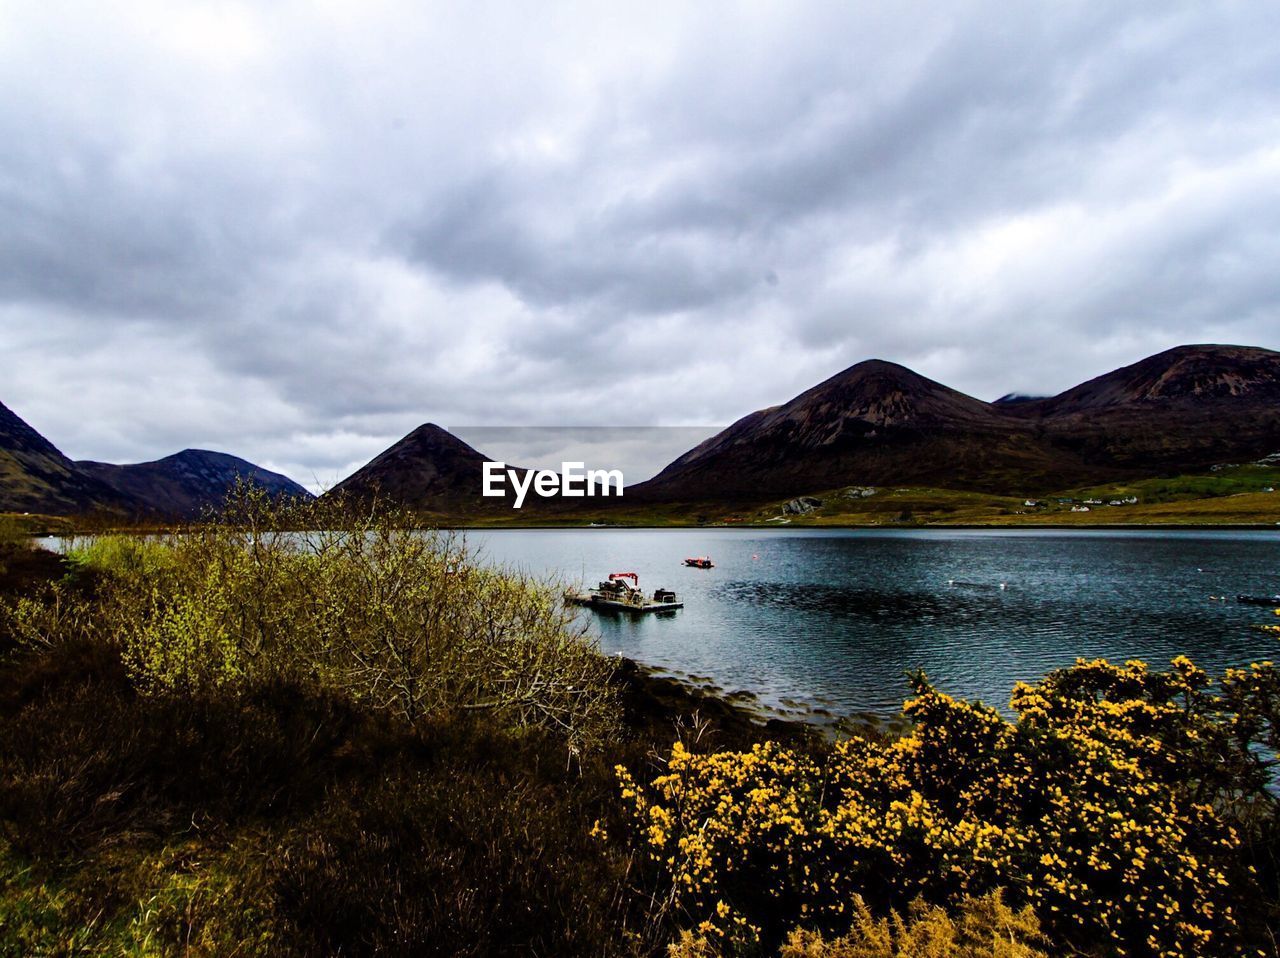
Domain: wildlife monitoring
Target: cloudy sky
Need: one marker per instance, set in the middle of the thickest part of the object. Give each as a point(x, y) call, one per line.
point(294, 232)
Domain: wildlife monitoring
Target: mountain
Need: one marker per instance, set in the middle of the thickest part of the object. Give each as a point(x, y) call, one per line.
point(36, 477)
point(1181, 410)
point(1181, 378)
point(188, 483)
point(1016, 399)
point(430, 470)
point(875, 423)
point(878, 423)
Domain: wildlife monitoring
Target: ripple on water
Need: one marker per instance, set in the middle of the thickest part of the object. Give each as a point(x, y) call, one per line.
point(833, 620)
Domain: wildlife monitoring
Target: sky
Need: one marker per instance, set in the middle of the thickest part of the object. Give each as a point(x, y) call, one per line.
point(296, 231)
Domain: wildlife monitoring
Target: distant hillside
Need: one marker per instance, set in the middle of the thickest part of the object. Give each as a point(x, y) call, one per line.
point(880, 423)
point(430, 470)
point(1185, 377)
point(1179, 411)
point(876, 422)
point(1015, 399)
point(36, 477)
point(189, 482)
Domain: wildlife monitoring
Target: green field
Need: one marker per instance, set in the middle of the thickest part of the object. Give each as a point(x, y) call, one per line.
point(1228, 496)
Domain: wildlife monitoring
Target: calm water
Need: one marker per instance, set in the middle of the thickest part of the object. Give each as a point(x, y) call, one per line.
point(834, 618)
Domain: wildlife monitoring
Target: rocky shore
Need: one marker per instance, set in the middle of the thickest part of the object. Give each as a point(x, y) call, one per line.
point(654, 701)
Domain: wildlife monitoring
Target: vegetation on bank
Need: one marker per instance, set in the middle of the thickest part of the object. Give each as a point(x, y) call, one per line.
point(246, 740)
point(1130, 809)
point(1231, 495)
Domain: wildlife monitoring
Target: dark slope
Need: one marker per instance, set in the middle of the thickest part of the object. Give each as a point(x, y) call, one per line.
point(430, 469)
point(36, 477)
point(1182, 377)
point(1016, 399)
point(1181, 410)
point(876, 422)
point(879, 423)
point(190, 482)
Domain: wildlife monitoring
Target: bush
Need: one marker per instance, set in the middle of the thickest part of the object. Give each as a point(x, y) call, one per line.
point(12, 533)
point(479, 853)
point(1115, 805)
point(122, 555)
point(984, 928)
point(56, 615)
point(277, 822)
point(400, 619)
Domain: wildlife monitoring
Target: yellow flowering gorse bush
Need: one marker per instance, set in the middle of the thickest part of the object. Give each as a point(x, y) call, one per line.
point(1111, 806)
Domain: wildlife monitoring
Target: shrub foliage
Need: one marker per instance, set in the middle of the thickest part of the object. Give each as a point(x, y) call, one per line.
point(1118, 805)
point(401, 619)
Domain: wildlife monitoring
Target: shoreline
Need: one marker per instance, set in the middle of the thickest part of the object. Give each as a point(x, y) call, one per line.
point(904, 527)
point(40, 527)
point(653, 696)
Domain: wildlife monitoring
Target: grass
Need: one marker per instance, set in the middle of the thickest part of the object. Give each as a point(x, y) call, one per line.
point(36, 524)
point(288, 823)
point(1230, 495)
point(908, 507)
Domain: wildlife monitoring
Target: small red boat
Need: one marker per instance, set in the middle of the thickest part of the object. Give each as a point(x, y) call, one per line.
point(700, 563)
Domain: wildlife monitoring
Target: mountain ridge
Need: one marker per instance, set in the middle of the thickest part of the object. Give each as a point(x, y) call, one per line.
point(185, 484)
point(873, 423)
point(875, 419)
point(37, 477)
point(880, 423)
point(1181, 374)
point(429, 469)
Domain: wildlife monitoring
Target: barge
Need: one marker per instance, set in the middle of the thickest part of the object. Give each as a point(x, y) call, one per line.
point(615, 594)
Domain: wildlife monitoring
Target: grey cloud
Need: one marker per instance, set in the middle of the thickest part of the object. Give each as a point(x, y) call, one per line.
point(297, 234)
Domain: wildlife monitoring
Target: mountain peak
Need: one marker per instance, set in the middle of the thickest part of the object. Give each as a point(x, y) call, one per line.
point(36, 477)
point(877, 369)
point(187, 483)
point(1016, 399)
point(429, 431)
point(427, 443)
point(875, 364)
point(847, 429)
point(883, 394)
point(1183, 375)
point(427, 469)
point(203, 455)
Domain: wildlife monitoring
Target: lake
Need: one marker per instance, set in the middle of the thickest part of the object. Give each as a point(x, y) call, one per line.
point(832, 619)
